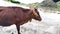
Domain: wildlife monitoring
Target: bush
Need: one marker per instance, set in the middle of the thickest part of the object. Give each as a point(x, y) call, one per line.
point(58, 3)
point(13, 1)
point(48, 3)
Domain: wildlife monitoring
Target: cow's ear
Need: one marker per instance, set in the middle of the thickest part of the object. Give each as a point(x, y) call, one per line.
point(33, 10)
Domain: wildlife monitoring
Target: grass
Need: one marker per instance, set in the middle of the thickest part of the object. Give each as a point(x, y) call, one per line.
point(55, 9)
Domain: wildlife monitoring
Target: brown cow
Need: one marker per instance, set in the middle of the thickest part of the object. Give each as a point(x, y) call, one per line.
point(17, 15)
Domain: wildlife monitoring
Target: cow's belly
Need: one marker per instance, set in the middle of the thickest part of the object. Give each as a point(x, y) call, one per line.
point(5, 23)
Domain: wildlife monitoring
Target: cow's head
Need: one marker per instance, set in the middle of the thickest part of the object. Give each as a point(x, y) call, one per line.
point(35, 14)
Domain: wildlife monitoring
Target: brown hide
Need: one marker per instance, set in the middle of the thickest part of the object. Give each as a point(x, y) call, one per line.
point(17, 15)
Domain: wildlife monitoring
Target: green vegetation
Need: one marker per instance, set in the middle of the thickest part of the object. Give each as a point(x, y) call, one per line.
point(13, 1)
point(58, 7)
point(58, 3)
point(45, 4)
point(33, 4)
point(55, 9)
point(51, 5)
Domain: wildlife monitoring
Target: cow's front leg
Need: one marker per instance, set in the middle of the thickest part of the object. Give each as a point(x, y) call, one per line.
point(18, 28)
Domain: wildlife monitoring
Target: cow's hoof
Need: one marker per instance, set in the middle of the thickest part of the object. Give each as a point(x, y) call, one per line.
point(12, 33)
